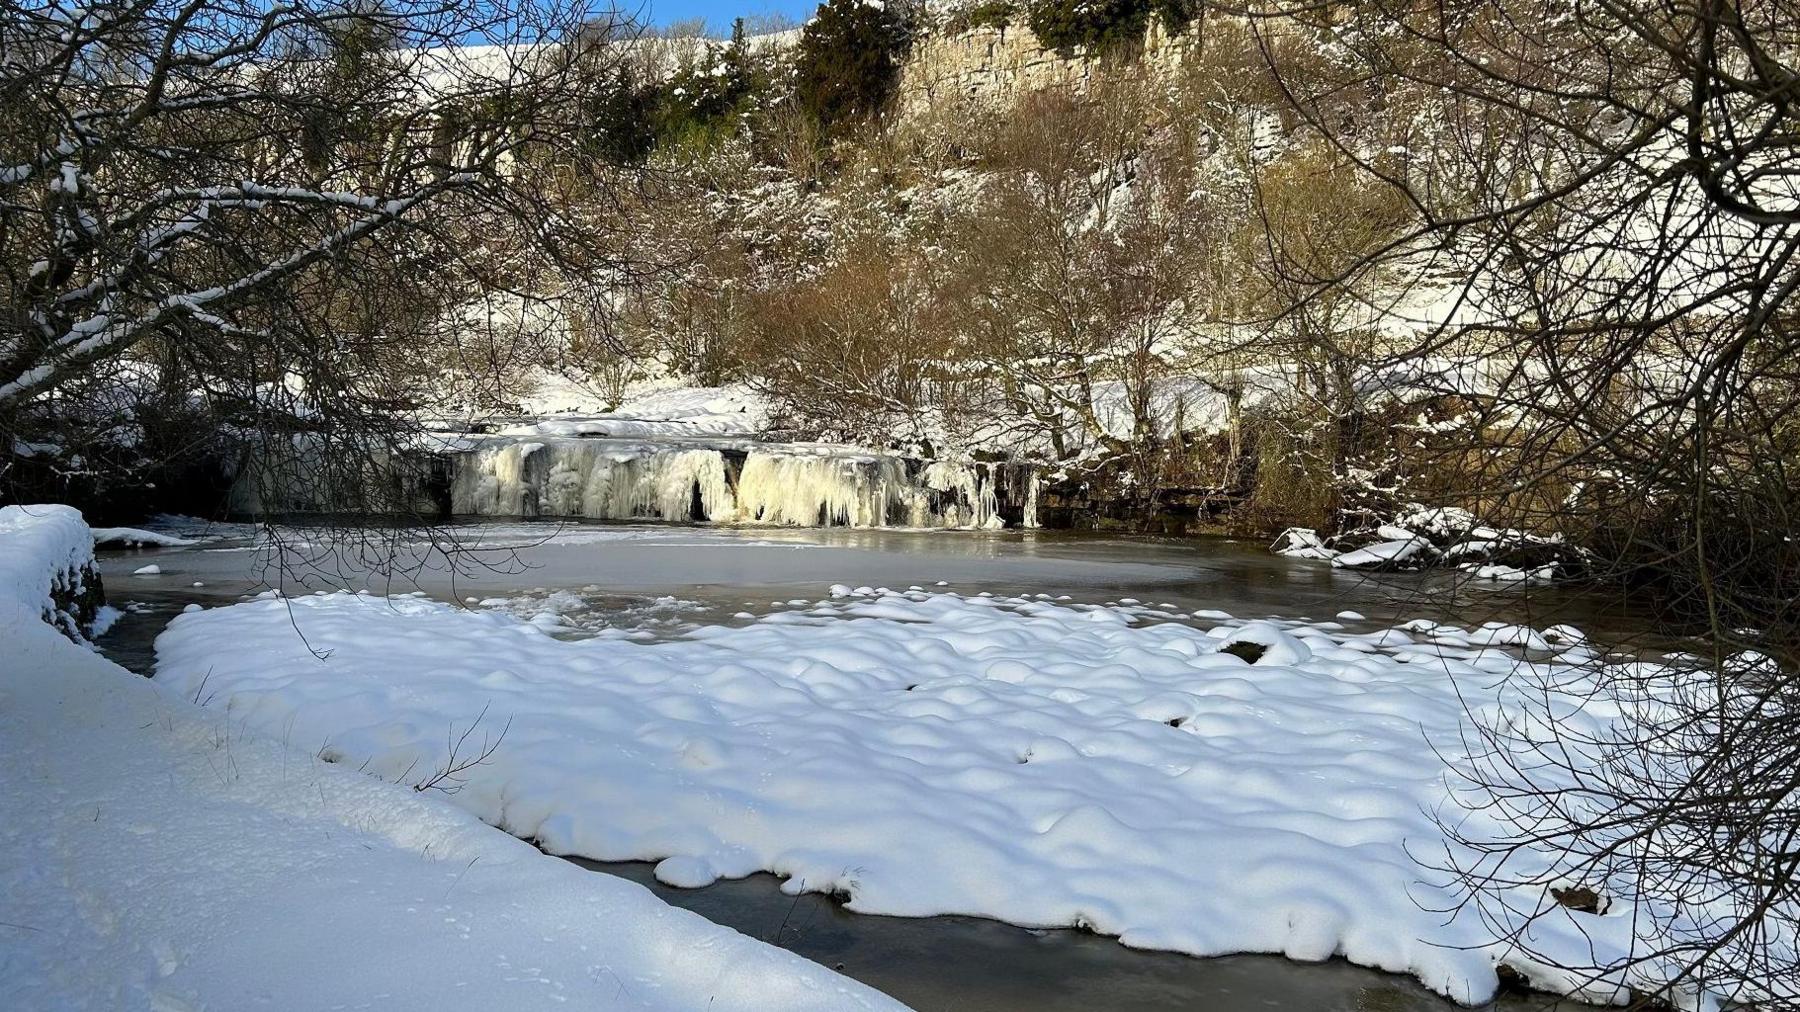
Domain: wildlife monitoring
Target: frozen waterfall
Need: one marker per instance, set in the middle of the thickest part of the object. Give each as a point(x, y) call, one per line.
point(590, 478)
point(742, 481)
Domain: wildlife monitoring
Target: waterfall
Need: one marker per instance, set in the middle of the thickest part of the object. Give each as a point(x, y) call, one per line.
point(809, 490)
point(795, 485)
point(966, 493)
point(493, 482)
point(595, 478)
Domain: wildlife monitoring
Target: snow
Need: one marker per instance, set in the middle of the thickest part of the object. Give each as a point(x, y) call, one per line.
point(132, 537)
point(661, 408)
point(1382, 553)
point(42, 549)
point(155, 854)
point(24, 449)
point(1301, 543)
point(929, 753)
point(150, 570)
point(1510, 574)
point(1421, 535)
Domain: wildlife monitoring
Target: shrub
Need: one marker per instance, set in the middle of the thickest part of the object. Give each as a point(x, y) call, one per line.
point(709, 95)
point(1176, 15)
point(1094, 25)
point(621, 118)
point(639, 110)
point(849, 61)
point(991, 14)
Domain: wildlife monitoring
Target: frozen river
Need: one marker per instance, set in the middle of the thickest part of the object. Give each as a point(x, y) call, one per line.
point(652, 583)
point(748, 568)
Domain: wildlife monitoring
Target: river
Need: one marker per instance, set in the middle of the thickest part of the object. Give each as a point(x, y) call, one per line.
point(660, 581)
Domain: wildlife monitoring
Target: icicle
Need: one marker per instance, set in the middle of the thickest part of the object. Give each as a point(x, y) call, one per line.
point(809, 490)
point(610, 479)
point(597, 479)
point(988, 503)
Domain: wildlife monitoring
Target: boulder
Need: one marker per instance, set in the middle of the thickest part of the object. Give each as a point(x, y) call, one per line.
point(76, 596)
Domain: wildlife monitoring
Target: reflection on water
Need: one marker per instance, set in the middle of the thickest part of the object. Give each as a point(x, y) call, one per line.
point(731, 564)
point(659, 581)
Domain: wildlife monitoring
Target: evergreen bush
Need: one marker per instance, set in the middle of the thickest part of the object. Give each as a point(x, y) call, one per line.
point(1091, 25)
point(849, 60)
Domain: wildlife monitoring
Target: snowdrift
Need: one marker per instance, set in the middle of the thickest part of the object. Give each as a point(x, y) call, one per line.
point(157, 855)
point(1256, 786)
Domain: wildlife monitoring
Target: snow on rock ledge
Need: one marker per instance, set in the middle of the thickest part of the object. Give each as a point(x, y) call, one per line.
point(47, 567)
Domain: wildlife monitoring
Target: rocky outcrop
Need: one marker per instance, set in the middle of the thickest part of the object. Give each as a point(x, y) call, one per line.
point(984, 65)
point(1422, 538)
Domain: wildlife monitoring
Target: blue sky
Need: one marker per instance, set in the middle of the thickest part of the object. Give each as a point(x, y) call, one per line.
point(718, 13)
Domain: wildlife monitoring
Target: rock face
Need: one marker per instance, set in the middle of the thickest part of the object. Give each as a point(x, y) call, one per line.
point(989, 65)
point(76, 595)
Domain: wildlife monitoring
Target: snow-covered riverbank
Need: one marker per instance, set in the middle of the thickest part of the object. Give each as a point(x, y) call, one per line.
point(924, 753)
point(158, 854)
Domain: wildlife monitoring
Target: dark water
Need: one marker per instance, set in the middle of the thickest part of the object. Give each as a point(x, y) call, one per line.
point(970, 964)
point(747, 569)
point(627, 574)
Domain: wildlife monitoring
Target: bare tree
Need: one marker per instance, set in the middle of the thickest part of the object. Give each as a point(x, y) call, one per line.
point(280, 212)
point(859, 351)
point(1080, 275)
point(1311, 217)
point(1610, 189)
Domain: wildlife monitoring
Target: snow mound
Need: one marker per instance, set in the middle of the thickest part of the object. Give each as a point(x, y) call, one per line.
point(132, 537)
point(1383, 554)
point(1301, 543)
point(46, 560)
point(924, 754)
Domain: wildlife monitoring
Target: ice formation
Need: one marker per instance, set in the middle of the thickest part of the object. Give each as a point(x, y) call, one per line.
point(741, 481)
point(599, 479)
point(679, 454)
